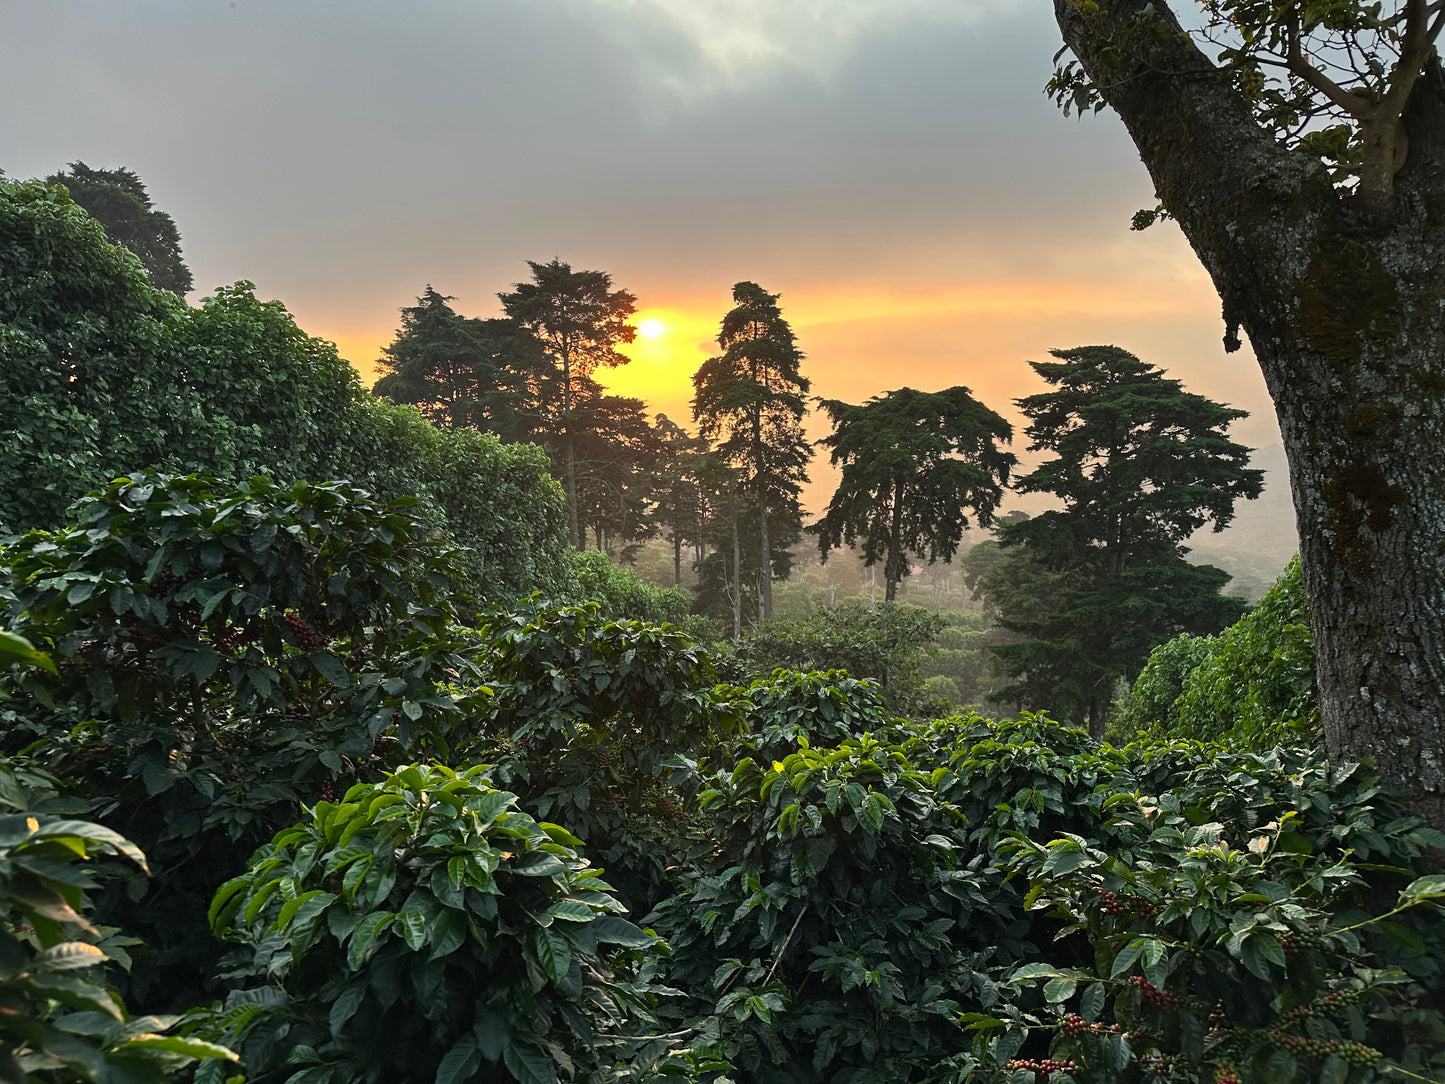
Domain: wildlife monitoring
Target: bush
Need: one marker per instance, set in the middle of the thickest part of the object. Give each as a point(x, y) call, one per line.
point(1152, 704)
point(884, 644)
point(936, 904)
point(226, 654)
point(59, 1016)
point(1252, 685)
point(621, 596)
point(103, 375)
point(424, 928)
point(1258, 921)
point(772, 716)
point(822, 927)
point(589, 721)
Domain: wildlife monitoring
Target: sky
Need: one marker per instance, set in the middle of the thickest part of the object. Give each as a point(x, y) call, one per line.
point(891, 168)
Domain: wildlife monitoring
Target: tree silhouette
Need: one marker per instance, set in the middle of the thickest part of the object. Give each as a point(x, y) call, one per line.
point(750, 403)
point(1139, 464)
point(118, 200)
point(914, 465)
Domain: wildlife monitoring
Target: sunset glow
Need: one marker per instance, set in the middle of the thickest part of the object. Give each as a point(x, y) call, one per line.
point(651, 329)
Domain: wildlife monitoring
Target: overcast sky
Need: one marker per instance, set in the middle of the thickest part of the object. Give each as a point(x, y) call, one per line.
point(891, 167)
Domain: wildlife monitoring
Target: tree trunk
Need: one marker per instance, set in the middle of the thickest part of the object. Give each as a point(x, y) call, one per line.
point(765, 551)
point(578, 529)
point(737, 575)
point(895, 563)
point(1345, 310)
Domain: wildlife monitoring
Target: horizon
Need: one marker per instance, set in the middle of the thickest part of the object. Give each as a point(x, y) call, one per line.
point(893, 171)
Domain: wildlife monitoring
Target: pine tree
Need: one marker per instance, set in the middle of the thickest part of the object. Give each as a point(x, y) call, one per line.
point(750, 403)
point(914, 465)
point(1140, 465)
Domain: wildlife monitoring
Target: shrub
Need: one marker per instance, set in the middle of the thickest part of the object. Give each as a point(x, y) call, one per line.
point(226, 654)
point(884, 644)
point(424, 928)
point(102, 375)
point(59, 1016)
point(588, 721)
point(823, 927)
point(769, 718)
point(1259, 921)
point(1253, 684)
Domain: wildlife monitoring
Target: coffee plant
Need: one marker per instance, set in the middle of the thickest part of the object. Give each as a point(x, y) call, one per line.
point(60, 1017)
point(224, 655)
point(425, 928)
point(589, 722)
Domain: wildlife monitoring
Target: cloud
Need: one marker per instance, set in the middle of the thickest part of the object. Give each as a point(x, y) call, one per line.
point(701, 47)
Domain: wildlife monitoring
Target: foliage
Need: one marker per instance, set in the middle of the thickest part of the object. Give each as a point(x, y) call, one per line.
point(820, 935)
point(914, 464)
point(425, 928)
point(1252, 685)
point(580, 321)
point(885, 644)
point(586, 721)
point(501, 377)
point(750, 400)
point(225, 655)
point(1329, 77)
point(59, 1017)
point(772, 716)
point(460, 372)
point(804, 929)
point(1238, 933)
point(961, 658)
point(71, 302)
point(1150, 706)
point(621, 595)
point(103, 375)
point(1140, 465)
point(680, 508)
point(117, 199)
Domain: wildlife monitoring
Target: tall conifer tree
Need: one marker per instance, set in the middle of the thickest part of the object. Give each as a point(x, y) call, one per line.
point(750, 402)
point(1140, 465)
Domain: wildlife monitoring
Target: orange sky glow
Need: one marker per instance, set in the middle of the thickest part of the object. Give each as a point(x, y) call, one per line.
point(835, 153)
point(859, 343)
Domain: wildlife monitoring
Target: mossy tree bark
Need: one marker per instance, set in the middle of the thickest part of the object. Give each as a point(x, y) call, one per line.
point(1343, 300)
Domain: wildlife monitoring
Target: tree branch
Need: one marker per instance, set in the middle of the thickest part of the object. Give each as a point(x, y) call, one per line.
point(1358, 106)
point(1419, 38)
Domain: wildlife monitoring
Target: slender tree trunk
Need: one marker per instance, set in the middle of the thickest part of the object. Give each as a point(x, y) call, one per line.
point(895, 563)
point(737, 574)
point(765, 552)
point(569, 454)
point(1345, 309)
point(676, 558)
point(1096, 718)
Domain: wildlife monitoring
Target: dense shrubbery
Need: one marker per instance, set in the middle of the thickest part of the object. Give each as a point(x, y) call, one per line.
point(844, 894)
point(621, 595)
point(1254, 683)
point(102, 375)
point(883, 643)
point(225, 654)
point(425, 928)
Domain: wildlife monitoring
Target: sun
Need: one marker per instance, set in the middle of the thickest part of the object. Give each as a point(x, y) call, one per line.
point(651, 329)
